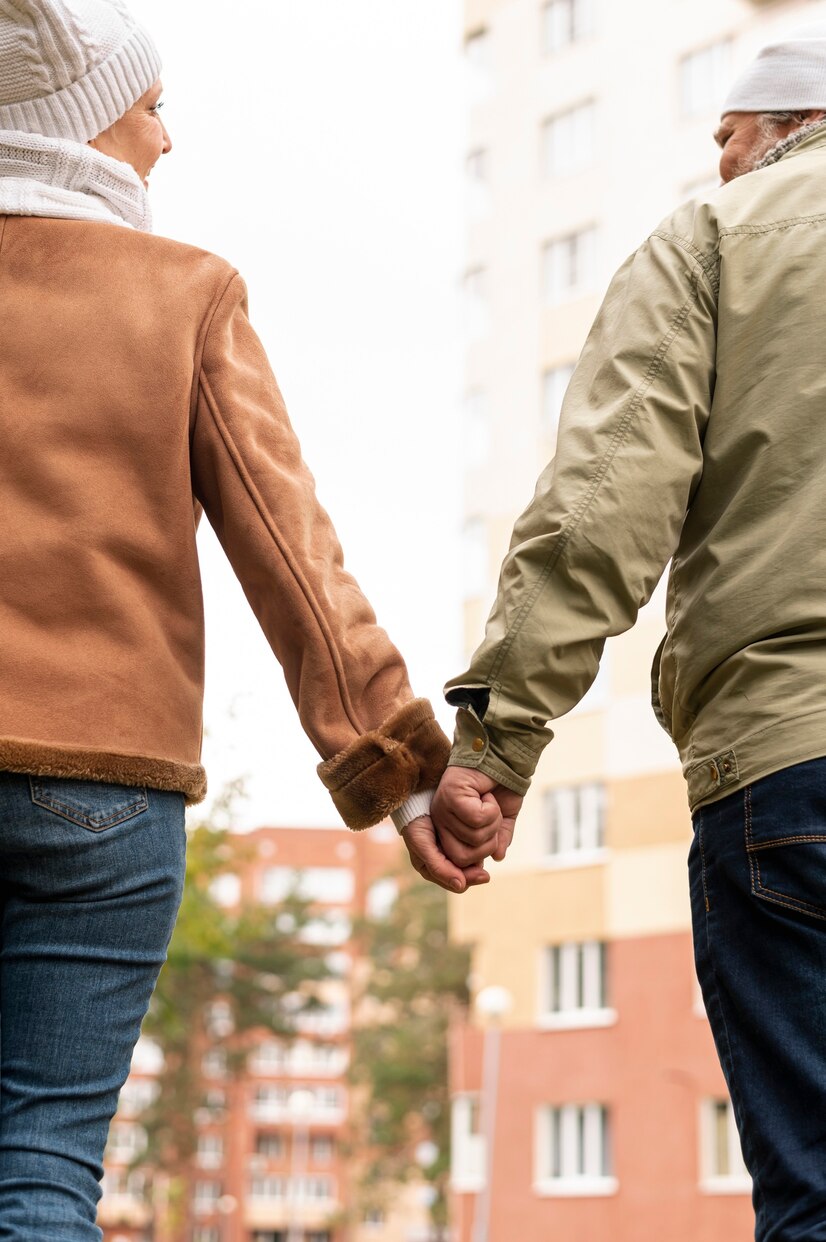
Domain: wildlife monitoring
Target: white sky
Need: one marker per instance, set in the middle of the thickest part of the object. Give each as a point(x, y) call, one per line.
point(318, 147)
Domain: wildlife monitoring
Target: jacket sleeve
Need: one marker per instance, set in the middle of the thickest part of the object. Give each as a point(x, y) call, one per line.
point(378, 744)
point(607, 512)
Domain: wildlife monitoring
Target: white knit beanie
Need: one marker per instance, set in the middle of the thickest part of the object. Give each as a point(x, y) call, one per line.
point(71, 68)
point(788, 76)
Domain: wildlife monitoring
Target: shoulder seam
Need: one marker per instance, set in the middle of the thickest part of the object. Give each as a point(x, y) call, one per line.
point(200, 344)
point(708, 262)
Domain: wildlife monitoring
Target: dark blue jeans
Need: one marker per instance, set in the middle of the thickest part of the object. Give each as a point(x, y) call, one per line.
point(91, 877)
point(758, 894)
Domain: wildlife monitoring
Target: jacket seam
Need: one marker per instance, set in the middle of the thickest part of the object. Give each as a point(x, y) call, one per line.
point(283, 550)
point(200, 346)
point(774, 226)
point(654, 369)
point(708, 262)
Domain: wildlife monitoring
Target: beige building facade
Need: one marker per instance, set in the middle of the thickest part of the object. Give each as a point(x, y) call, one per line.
point(588, 121)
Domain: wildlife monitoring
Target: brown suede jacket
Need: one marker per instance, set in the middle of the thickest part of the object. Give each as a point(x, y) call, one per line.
point(133, 396)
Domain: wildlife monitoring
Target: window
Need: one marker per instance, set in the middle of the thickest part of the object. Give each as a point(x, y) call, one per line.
point(704, 77)
point(206, 1233)
point(214, 1063)
point(381, 898)
point(721, 1157)
point(574, 818)
point(226, 890)
point(567, 21)
point(476, 166)
point(474, 288)
point(313, 1189)
point(125, 1142)
point(120, 1183)
point(476, 430)
point(574, 985)
point(322, 884)
point(206, 1197)
point(269, 1057)
point(322, 1149)
point(136, 1095)
point(477, 189)
point(467, 1174)
point(554, 386)
point(573, 1153)
point(373, 1216)
point(219, 1019)
point(332, 928)
point(569, 266)
point(147, 1057)
point(269, 1188)
point(475, 557)
point(210, 1152)
point(568, 141)
point(269, 1145)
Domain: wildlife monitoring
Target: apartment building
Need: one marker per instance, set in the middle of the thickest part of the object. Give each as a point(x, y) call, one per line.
point(588, 1102)
point(273, 1162)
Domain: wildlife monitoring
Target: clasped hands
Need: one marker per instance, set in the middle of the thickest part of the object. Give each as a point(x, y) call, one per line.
point(471, 819)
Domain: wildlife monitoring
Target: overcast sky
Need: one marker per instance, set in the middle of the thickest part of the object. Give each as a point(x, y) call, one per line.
point(318, 147)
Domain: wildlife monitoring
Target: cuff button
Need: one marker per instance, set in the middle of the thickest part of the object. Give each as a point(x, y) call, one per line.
point(478, 744)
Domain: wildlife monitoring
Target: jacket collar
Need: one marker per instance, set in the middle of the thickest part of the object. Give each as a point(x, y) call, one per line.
point(807, 138)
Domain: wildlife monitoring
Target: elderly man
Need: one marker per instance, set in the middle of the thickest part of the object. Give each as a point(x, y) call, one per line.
point(694, 430)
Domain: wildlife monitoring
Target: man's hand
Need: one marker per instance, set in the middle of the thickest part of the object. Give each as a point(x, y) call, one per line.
point(428, 858)
point(474, 815)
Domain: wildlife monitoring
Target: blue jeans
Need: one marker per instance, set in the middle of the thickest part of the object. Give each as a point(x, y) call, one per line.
point(91, 876)
point(758, 894)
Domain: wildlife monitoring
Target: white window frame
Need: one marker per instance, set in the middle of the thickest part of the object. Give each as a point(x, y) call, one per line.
point(555, 381)
point(703, 77)
point(569, 140)
point(475, 557)
point(569, 266)
point(565, 22)
point(573, 988)
point(575, 824)
point(467, 1146)
point(734, 1179)
point(210, 1151)
point(572, 1151)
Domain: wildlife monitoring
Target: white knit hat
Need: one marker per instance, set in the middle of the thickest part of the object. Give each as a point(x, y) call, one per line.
point(71, 68)
point(788, 76)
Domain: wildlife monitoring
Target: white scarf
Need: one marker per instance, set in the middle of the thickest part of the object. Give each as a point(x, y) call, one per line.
point(55, 177)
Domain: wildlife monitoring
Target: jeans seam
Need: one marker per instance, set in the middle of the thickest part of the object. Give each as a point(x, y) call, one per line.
point(734, 1091)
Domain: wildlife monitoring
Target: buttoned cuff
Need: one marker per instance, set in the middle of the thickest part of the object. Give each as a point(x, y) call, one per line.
point(474, 747)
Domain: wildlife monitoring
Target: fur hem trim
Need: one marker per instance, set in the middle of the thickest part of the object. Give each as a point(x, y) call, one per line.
point(42, 759)
point(380, 771)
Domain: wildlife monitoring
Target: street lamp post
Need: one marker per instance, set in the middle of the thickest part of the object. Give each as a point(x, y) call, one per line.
point(300, 1106)
point(492, 1003)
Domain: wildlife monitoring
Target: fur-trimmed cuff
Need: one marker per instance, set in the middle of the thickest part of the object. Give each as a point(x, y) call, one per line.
point(384, 767)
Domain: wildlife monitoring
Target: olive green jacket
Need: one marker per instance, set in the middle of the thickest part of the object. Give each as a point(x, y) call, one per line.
point(693, 430)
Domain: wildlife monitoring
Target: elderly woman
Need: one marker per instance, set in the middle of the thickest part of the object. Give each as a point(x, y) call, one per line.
point(133, 396)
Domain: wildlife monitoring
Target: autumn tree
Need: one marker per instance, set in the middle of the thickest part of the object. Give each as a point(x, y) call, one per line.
point(414, 982)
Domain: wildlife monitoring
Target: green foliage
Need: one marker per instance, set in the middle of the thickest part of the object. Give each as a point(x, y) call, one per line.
point(418, 979)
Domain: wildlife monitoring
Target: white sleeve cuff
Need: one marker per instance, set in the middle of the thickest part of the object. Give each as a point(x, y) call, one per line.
point(417, 804)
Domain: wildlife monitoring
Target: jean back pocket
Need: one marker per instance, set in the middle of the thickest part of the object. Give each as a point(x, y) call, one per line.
point(92, 804)
point(786, 846)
